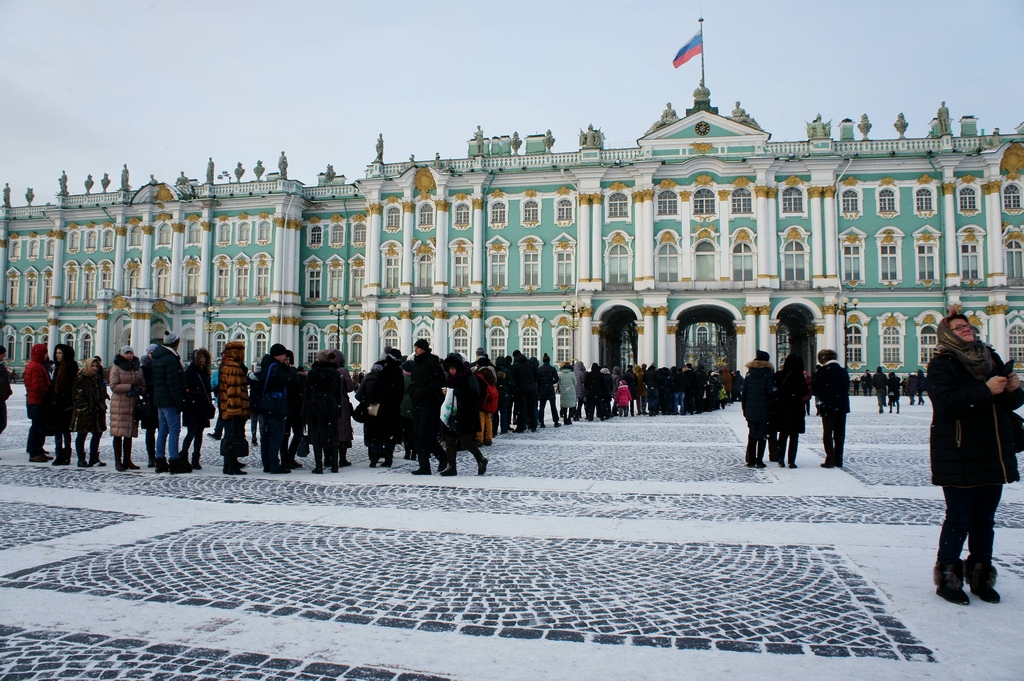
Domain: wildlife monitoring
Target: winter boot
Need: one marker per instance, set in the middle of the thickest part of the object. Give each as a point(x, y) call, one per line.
point(82, 463)
point(126, 461)
point(982, 578)
point(333, 457)
point(161, 465)
point(152, 462)
point(340, 459)
point(949, 583)
point(318, 457)
point(179, 466)
point(58, 457)
point(95, 461)
point(118, 466)
point(195, 463)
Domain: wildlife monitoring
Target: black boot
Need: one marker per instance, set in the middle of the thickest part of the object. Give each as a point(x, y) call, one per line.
point(949, 582)
point(94, 460)
point(82, 463)
point(333, 456)
point(179, 466)
point(161, 466)
point(318, 457)
point(195, 463)
point(152, 461)
point(982, 578)
point(340, 458)
point(60, 458)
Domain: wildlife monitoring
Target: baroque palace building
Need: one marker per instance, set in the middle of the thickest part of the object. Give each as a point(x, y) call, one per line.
point(703, 243)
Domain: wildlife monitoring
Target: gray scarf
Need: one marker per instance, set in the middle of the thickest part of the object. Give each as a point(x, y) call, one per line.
point(976, 356)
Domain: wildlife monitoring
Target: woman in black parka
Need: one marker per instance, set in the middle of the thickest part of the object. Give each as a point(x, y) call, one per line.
point(462, 431)
point(198, 407)
point(788, 409)
point(972, 453)
point(321, 411)
point(758, 391)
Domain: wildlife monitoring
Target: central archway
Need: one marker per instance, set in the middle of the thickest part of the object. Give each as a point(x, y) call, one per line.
point(706, 337)
point(619, 339)
point(795, 335)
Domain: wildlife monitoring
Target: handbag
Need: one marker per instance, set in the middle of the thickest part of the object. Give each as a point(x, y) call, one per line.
point(274, 405)
point(373, 409)
point(234, 447)
point(359, 413)
point(302, 448)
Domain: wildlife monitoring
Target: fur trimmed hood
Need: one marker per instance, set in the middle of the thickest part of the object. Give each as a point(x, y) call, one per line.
point(759, 364)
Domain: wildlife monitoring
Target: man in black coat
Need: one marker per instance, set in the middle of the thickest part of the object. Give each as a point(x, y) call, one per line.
point(547, 379)
point(831, 385)
point(880, 383)
point(525, 381)
point(425, 394)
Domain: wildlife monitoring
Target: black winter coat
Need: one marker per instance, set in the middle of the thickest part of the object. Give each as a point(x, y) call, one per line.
point(320, 404)
point(547, 379)
point(467, 403)
point(198, 404)
point(788, 408)
point(971, 437)
point(831, 385)
point(387, 390)
point(758, 389)
point(523, 378)
point(426, 381)
point(879, 381)
point(168, 379)
point(595, 386)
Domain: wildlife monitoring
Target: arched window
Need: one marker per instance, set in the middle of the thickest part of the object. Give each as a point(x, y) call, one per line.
point(242, 280)
point(460, 342)
point(86, 347)
point(89, 285)
point(74, 241)
point(564, 210)
point(262, 232)
point(424, 271)
point(851, 201)
point(618, 205)
point(703, 201)
point(358, 233)
point(335, 281)
point(163, 235)
point(794, 261)
point(496, 342)
point(192, 281)
point(618, 264)
point(426, 215)
point(529, 343)
point(923, 200)
point(462, 214)
point(312, 347)
point(355, 349)
point(26, 347)
point(1014, 259)
point(854, 344)
point(891, 350)
point(741, 201)
point(244, 233)
point(163, 281)
point(886, 201)
point(15, 252)
point(563, 344)
point(134, 237)
point(792, 200)
point(702, 335)
point(390, 338)
point(704, 261)
point(1011, 197)
point(69, 339)
point(224, 233)
point(106, 275)
point(1016, 344)
point(134, 278)
point(531, 211)
point(337, 234)
point(927, 339)
point(11, 345)
point(194, 234)
point(968, 199)
point(668, 203)
point(50, 248)
point(668, 262)
point(498, 213)
point(742, 262)
point(91, 240)
point(108, 239)
point(393, 217)
point(332, 341)
point(425, 333)
point(313, 283)
point(316, 235)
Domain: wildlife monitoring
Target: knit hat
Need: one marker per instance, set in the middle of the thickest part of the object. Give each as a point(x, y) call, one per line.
point(151, 347)
point(126, 349)
point(422, 344)
point(323, 356)
point(762, 356)
point(276, 350)
point(171, 339)
point(480, 352)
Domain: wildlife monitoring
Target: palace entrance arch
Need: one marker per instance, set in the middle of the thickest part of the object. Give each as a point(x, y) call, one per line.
point(795, 335)
point(706, 337)
point(618, 344)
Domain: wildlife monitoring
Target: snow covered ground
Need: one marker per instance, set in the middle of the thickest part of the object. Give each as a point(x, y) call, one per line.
point(638, 548)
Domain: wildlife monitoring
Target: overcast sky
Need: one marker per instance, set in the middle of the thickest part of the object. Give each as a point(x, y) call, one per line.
point(161, 86)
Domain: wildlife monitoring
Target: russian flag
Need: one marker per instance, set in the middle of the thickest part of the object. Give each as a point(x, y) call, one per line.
point(688, 51)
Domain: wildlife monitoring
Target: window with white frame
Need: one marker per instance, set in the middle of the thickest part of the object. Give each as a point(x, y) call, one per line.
point(335, 281)
point(742, 203)
point(531, 212)
point(358, 233)
point(50, 248)
point(618, 264)
point(426, 219)
point(851, 201)
point(393, 217)
point(15, 253)
point(332, 341)
point(1011, 197)
point(390, 338)
point(703, 202)
point(1016, 343)
point(163, 235)
point(337, 234)
point(13, 285)
point(564, 210)
point(1014, 259)
point(134, 237)
point(315, 235)
point(927, 339)
point(564, 268)
point(262, 280)
point(263, 232)
point(91, 240)
point(312, 347)
point(392, 266)
point(531, 268)
point(47, 287)
point(886, 201)
point(223, 280)
point(193, 234)
point(33, 249)
point(498, 268)
point(71, 286)
point(852, 262)
point(794, 259)
point(358, 278)
point(792, 200)
point(89, 285)
point(563, 344)
point(926, 270)
point(460, 342)
point(425, 333)
point(704, 261)
point(496, 342)
point(618, 205)
point(892, 349)
point(133, 280)
point(923, 200)
point(970, 269)
point(424, 271)
point(355, 348)
point(259, 344)
point(87, 345)
point(313, 281)
point(106, 276)
point(224, 234)
point(460, 270)
point(108, 239)
point(498, 213)
point(742, 262)
point(242, 280)
point(668, 262)
point(668, 203)
point(888, 263)
point(968, 200)
point(462, 214)
point(854, 344)
point(74, 242)
point(244, 233)
point(31, 291)
point(192, 281)
point(529, 342)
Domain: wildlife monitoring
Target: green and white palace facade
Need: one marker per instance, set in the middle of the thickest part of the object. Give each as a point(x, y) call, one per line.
point(704, 242)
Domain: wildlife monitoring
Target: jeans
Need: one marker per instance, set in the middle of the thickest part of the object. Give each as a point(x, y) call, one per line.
point(833, 426)
point(679, 405)
point(170, 424)
point(505, 411)
point(36, 432)
point(652, 400)
point(971, 516)
point(94, 445)
point(271, 435)
point(880, 396)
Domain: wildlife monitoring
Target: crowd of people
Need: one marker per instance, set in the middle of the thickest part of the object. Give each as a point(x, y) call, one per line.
point(889, 387)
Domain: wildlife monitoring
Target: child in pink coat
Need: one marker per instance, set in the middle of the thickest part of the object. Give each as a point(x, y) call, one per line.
point(622, 399)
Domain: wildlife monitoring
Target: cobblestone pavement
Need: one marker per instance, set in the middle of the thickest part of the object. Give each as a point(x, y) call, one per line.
point(24, 523)
point(51, 654)
point(558, 503)
point(788, 599)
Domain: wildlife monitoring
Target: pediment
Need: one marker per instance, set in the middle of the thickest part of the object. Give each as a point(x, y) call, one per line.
point(719, 128)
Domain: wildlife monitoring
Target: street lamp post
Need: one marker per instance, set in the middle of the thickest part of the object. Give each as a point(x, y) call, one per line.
point(210, 313)
point(339, 312)
point(573, 310)
point(845, 304)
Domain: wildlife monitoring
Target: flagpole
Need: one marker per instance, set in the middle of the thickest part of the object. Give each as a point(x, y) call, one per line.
point(701, 21)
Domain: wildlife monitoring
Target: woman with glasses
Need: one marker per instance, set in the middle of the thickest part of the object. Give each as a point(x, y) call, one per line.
point(972, 453)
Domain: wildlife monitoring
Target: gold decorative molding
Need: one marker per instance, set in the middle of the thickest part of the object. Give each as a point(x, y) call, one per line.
point(596, 199)
point(968, 179)
point(773, 329)
point(851, 181)
point(819, 329)
point(684, 196)
point(723, 194)
point(424, 181)
point(829, 309)
point(772, 192)
point(147, 230)
point(368, 315)
point(102, 316)
point(497, 194)
point(793, 181)
point(617, 187)
point(814, 192)
point(476, 314)
point(998, 308)
point(667, 184)
point(478, 204)
point(891, 321)
point(530, 193)
point(178, 227)
point(703, 181)
point(667, 236)
point(702, 147)
point(749, 310)
point(442, 206)
point(439, 314)
point(948, 188)
point(764, 310)
point(374, 208)
point(742, 182)
point(925, 179)
point(760, 191)
point(992, 187)
point(405, 314)
point(828, 192)
point(142, 315)
point(886, 181)
point(563, 191)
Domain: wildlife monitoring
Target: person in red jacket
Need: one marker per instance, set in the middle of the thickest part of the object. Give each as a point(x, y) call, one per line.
point(37, 382)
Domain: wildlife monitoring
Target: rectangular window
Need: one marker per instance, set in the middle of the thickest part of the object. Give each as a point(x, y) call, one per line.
point(891, 346)
point(242, 281)
point(71, 292)
point(499, 269)
point(192, 282)
point(358, 281)
point(391, 273)
point(564, 265)
point(223, 281)
point(89, 287)
point(531, 269)
point(854, 345)
point(12, 292)
point(335, 277)
point(888, 266)
point(262, 281)
point(263, 232)
point(851, 262)
point(926, 262)
point(313, 284)
point(31, 291)
point(924, 201)
point(460, 271)
point(106, 278)
point(47, 286)
point(969, 269)
point(928, 340)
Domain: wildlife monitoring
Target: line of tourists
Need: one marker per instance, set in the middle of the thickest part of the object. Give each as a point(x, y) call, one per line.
point(889, 387)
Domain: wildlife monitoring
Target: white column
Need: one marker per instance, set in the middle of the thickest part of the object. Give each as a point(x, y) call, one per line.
point(773, 231)
point(57, 283)
point(829, 340)
point(206, 247)
point(648, 222)
point(146, 278)
point(684, 217)
point(408, 227)
point(741, 347)
point(764, 335)
point(476, 330)
point(996, 269)
point(479, 247)
point(102, 322)
point(831, 229)
point(724, 217)
point(821, 338)
point(949, 233)
point(814, 194)
point(650, 333)
point(371, 339)
point(583, 245)
point(597, 242)
point(441, 252)
point(583, 336)
point(372, 286)
point(997, 329)
point(661, 321)
point(177, 255)
point(120, 232)
point(750, 332)
point(765, 239)
point(405, 331)
point(440, 332)
point(639, 243)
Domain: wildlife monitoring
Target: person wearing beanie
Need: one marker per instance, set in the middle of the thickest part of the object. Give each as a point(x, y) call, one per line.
point(270, 398)
point(831, 385)
point(127, 387)
point(755, 397)
point(169, 399)
point(425, 385)
point(547, 379)
point(321, 409)
point(481, 360)
point(972, 451)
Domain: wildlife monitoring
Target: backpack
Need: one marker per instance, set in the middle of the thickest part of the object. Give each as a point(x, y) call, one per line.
point(489, 404)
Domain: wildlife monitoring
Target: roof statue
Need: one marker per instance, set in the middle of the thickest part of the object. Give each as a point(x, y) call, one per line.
point(702, 100)
point(330, 175)
point(380, 149)
point(89, 184)
point(282, 166)
point(124, 179)
point(183, 185)
point(477, 145)
point(591, 139)
point(30, 196)
point(668, 117)
point(741, 116)
point(437, 160)
point(258, 170)
point(239, 171)
point(7, 195)
point(817, 130)
point(209, 171)
point(516, 143)
point(549, 141)
point(943, 115)
point(63, 182)
point(901, 126)
point(864, 126)
point(105, 182)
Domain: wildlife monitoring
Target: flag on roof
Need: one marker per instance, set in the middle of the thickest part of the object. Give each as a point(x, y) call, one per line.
point(688, 51)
